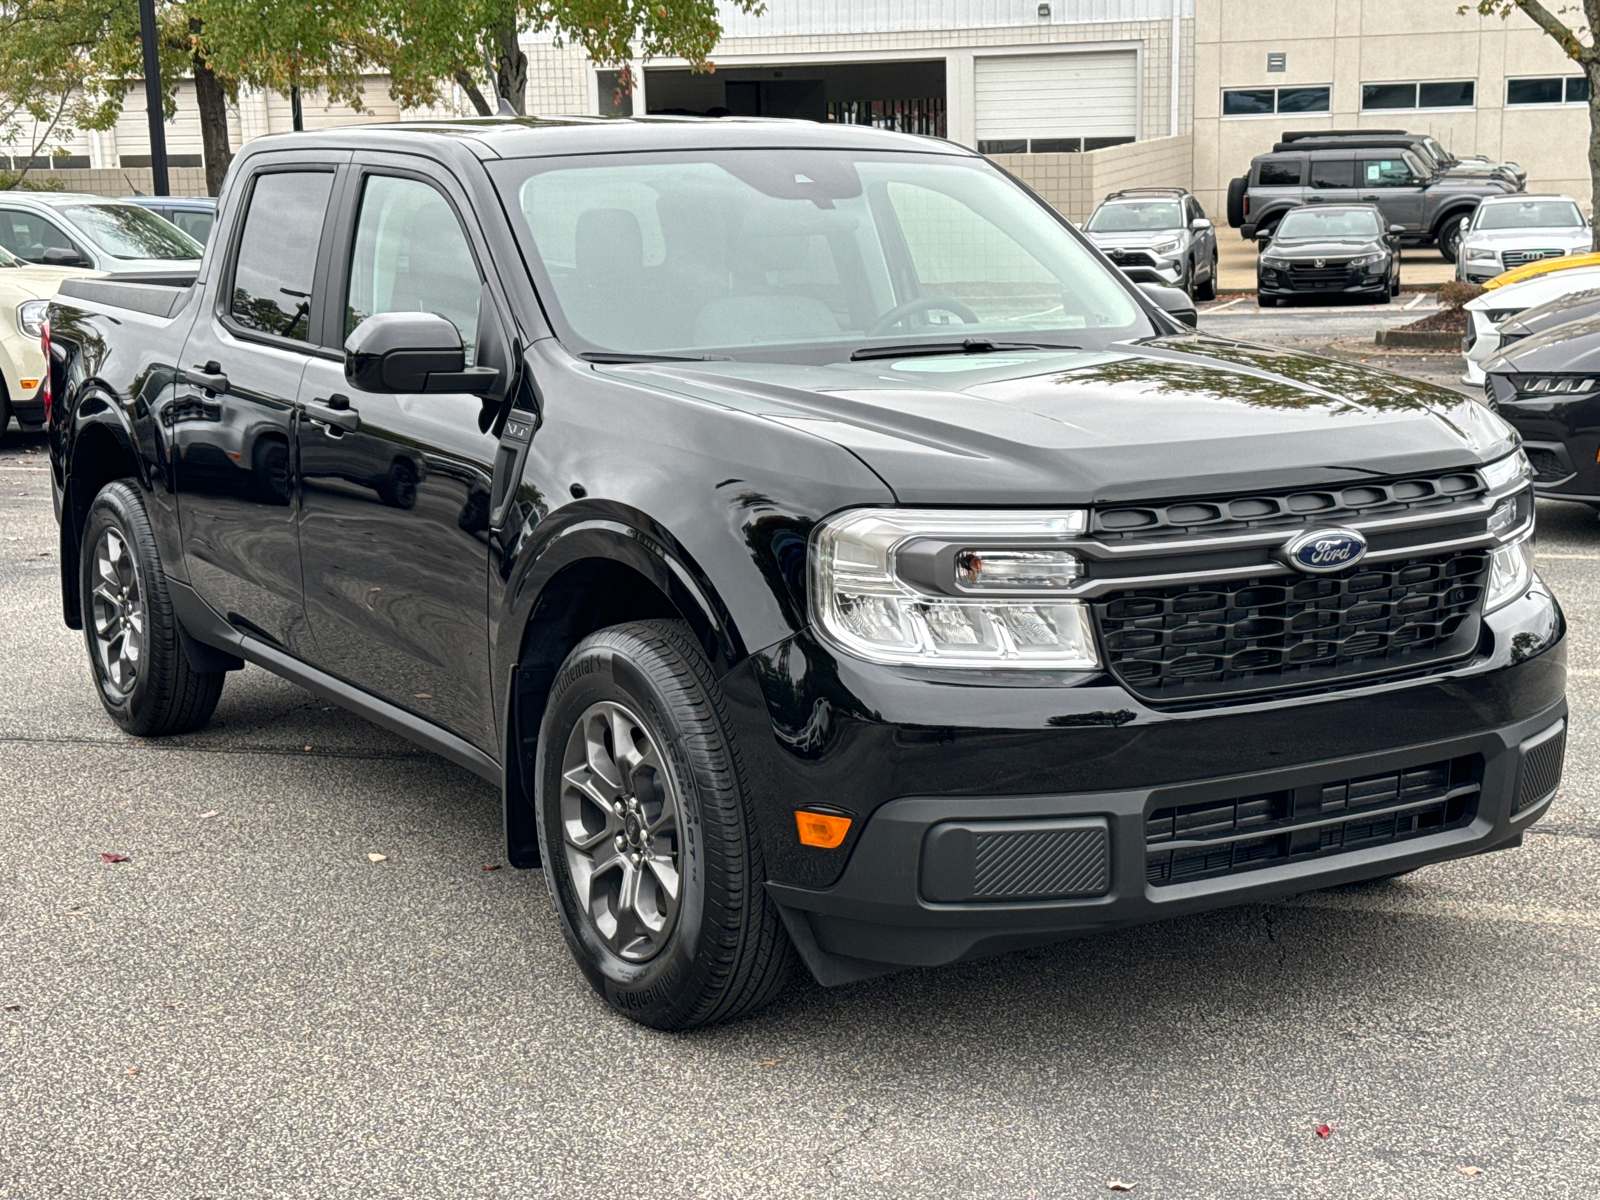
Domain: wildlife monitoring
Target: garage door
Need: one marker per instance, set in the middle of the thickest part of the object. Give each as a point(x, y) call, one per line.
point(1050, 96)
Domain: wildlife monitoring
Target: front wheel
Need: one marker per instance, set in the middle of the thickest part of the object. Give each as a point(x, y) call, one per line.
point(1450, 240)
point(142, 674)
point(1208, 289)
point(650, 848)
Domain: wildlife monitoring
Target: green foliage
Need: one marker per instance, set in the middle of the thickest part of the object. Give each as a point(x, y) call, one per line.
point(1564, 34)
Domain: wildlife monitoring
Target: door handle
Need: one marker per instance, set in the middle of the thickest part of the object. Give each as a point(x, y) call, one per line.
point(335, 412)
point(209, 378)
point(1369, 199)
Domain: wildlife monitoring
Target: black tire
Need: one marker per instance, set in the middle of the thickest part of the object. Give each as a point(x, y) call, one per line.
point(5, 412)
point(725, 952)
point(1449, 237)
point(1236, 192)
point(165, 695)
point(1208, 289)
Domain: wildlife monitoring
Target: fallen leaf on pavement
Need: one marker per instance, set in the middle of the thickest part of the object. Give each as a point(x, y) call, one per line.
point(13, 1008)
point(1472, 1170)
point(491, 866)
point(131, 1071)
point(769, 1062)
point(115, 858)
point(206, 816)
point(1116, 1185)
point(421, 696)
point(377, 858)
point(308, 749)
point(1324, 1131)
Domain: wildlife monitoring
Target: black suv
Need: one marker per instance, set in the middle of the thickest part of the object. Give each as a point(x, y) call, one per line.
point(820, 546)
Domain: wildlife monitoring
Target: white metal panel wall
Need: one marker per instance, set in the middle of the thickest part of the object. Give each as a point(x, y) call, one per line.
point(885, 16)
point(1088, 94)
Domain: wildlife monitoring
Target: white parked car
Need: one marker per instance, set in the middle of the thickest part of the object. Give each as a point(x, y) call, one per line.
point(1506, 232)
point(64, 229)
point(25, 292)
point(1488, 311)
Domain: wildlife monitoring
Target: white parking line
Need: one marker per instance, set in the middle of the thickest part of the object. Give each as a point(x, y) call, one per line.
point(1421, 296)
point(1226, 305)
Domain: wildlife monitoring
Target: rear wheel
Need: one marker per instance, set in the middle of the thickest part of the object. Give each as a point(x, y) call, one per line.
point(1236, 192)
point(1450, 239)
point(650, 850)
point(1208, 289)
point(143, 676)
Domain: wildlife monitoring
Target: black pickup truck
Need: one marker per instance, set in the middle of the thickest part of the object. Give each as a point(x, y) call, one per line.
point(823, 547)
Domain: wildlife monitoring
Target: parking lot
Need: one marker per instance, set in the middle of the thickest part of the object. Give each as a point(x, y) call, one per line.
point(250, 1006)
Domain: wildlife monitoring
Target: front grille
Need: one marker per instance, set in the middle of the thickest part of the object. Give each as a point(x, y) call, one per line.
point(1547, 465)
point(1194, 641)
point(1541, 769)
point(1515, 258)
point(1132, 258)
point(1285, 509)
point(1306, 277)
point(1321, 820)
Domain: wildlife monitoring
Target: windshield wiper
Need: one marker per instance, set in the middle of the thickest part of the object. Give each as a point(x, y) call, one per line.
point(607, 356)
point(968, 346)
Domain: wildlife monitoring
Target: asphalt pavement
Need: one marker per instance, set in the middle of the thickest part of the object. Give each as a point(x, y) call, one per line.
point(250, 1007)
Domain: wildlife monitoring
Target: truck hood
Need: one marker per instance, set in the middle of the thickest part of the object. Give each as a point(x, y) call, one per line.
point(1176, 416)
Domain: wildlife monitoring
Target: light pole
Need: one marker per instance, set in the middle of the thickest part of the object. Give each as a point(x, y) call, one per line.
point(152, 97)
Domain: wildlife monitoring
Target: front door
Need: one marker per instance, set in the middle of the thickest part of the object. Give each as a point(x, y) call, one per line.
point(232, 422)
point(1395, 188)
point(395, 488)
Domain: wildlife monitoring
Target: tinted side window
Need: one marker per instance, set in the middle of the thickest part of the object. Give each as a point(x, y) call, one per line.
point(28, 235)
point(1279, 172)
point(1332, 174)
point(278, 253)
point(410, 255)
point(1386, 172)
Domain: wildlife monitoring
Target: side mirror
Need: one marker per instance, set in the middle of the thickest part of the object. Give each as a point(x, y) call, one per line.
point(411, 352)
point(1200, 223)
point(1397, 230)
point(63, 256)
point(1175, 302)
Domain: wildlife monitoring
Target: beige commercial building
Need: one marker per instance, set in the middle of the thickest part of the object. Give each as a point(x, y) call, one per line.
point(1078, 97)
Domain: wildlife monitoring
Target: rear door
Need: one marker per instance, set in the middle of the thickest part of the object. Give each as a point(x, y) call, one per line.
point(394, 534)
point(1390, 182)
point(1331, 179)
point(233, 422)
point(1278, 185)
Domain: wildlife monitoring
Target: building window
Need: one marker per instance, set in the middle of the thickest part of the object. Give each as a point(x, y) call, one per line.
point(1054, 145)
point(1455, 93)
point(1253, 102)
point(1554, 89)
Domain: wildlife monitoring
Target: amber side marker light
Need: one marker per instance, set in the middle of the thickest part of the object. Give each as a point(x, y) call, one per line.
point(822, 830)
point(28, 384)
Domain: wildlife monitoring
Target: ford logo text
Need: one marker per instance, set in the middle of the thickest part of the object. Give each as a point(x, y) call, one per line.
point(1322, 551)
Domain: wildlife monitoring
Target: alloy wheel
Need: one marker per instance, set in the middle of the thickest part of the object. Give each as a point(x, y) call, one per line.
point(117, 612)
point(621, 825)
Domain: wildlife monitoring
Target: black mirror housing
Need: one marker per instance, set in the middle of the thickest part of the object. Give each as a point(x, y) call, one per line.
point(63, 256)
point(1175, 302)
point(401, 352)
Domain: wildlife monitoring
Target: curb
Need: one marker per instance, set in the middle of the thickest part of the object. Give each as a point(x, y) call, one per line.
point(1419, 339)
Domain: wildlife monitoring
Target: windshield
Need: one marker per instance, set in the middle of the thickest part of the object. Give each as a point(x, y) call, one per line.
point(1329, 223)
point(803, 254)
point(1530, 214)
point(1136, 216)
point(1439, 153)
point(128, 231)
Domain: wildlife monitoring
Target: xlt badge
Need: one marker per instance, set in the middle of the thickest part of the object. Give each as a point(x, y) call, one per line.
point(1323, 551)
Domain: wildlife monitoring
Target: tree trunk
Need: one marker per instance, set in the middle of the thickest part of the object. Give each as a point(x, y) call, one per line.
point(511, 64)
point(1591, 71)
point(213, 105)
point(473, 94)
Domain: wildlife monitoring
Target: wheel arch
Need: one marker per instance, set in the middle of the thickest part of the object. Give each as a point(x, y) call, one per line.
point(102, 452)
point(1457, 210)
point(597, 572)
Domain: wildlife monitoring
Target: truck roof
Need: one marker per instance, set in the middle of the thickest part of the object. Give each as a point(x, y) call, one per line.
point(539, 137)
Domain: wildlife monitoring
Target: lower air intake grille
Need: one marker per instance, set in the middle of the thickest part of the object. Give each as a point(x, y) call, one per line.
point(1050, 859)
point(1224, 837)
point(1541, 767)
point(1203, 640)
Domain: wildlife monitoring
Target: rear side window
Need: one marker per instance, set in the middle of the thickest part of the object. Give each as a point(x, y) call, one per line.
point(1279, 172)
point(278, 253)
point(1333, 174)
point(196, 224)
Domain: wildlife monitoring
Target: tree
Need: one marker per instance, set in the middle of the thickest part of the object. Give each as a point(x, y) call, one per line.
point(432, 42)
point(1586, 53)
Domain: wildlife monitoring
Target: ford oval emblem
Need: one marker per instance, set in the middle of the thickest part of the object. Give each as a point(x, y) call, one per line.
point(1323, 551)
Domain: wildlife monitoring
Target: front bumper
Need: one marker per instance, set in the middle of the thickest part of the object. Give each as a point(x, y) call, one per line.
point(933, 766)
point(1282, 284)
point(1161, 271)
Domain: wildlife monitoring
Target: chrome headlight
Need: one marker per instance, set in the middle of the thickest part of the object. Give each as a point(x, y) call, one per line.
point(1268, 260)
point(1481, 255)
point(1369, 260)
point(949, 588)
point(30, 317)
point(1510, 575)
point(1167, 247)
point(1556, 385)
point(1502, 471)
